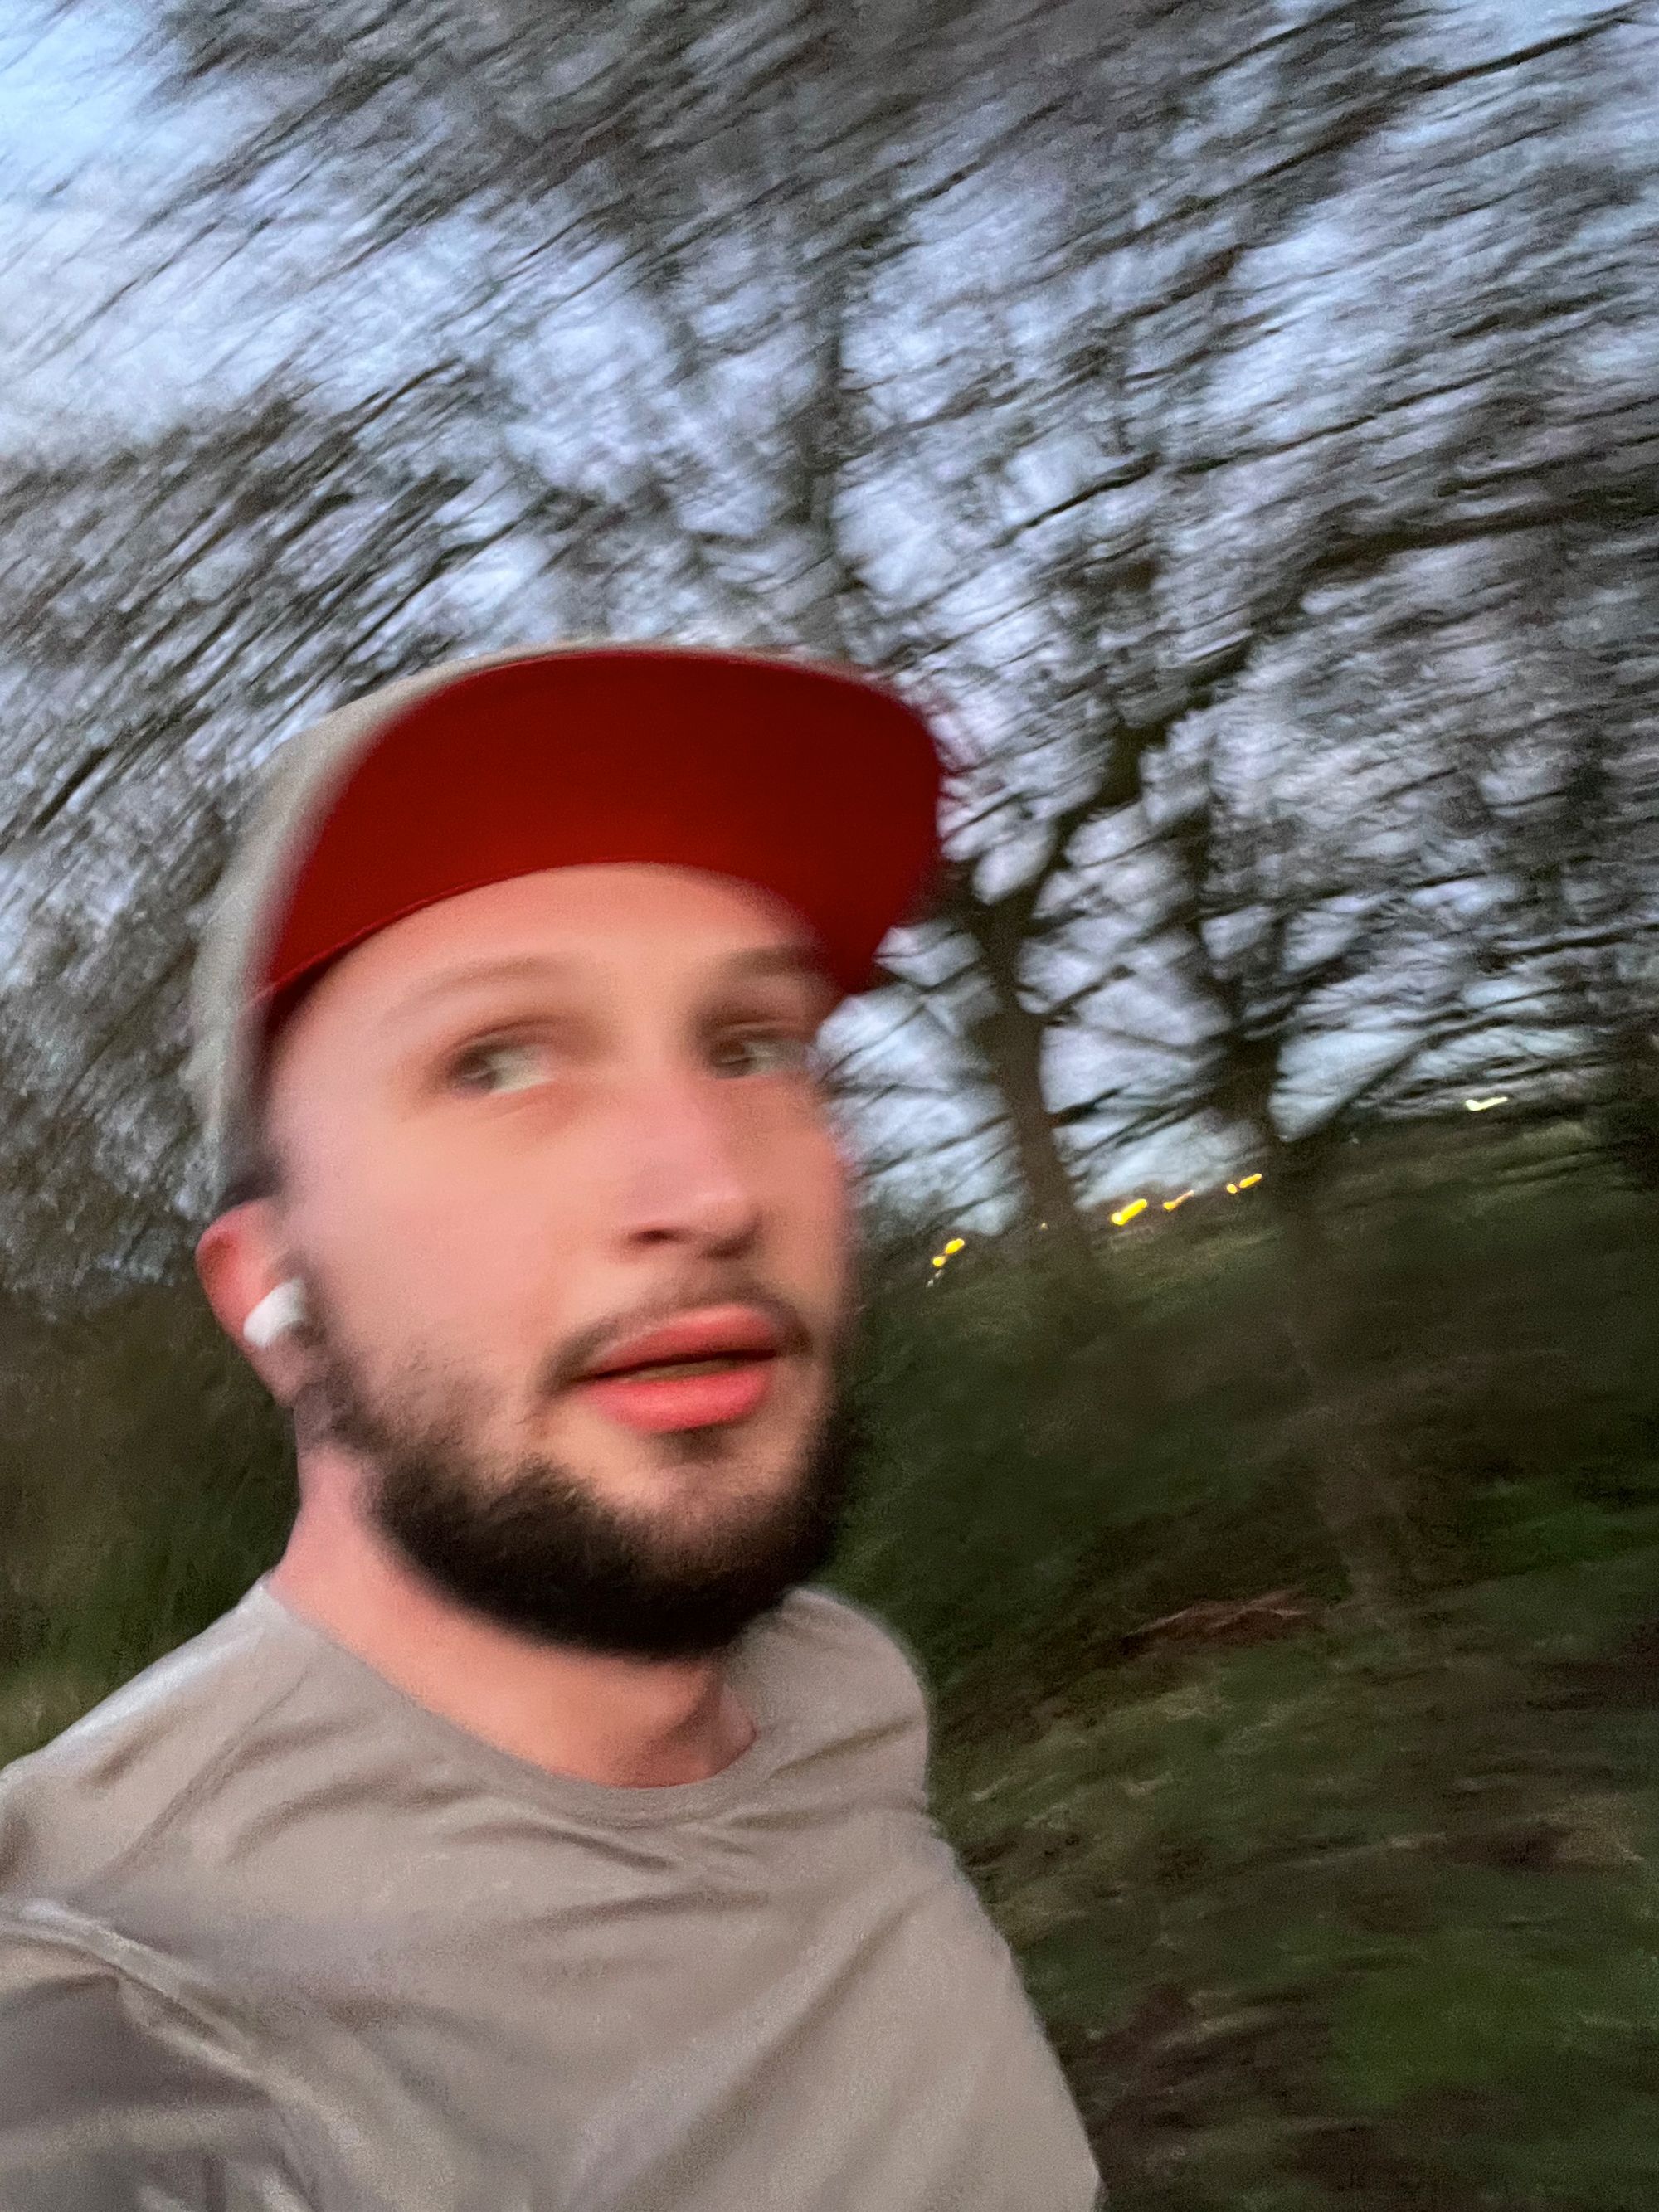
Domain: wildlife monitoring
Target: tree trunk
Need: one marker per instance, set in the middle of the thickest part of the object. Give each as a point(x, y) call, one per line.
point(1354, 1493)
point(1075, 1301)
point(1626, 1120)
point(1010, 1044)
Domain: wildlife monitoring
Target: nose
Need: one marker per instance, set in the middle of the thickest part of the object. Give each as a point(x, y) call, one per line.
point(684, 1180)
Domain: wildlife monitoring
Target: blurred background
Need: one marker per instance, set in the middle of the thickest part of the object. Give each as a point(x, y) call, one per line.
point(1240, 423)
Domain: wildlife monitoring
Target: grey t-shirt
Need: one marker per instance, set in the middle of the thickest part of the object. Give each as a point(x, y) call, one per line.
point(275, 1938)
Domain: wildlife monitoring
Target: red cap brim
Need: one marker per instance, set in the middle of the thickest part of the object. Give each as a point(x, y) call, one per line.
point(818, 785)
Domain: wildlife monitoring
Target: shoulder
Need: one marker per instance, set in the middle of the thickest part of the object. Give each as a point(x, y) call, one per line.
point(71, 2034)
point(123, 2080)
point(840, 1624)
point(850, 1669)
point(74, 1810)
point(113, 2092)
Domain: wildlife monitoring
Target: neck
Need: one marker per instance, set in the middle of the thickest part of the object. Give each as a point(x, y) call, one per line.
point(629, 1723)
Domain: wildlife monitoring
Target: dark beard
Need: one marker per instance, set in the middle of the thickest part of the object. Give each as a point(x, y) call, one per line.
point(534, 1550)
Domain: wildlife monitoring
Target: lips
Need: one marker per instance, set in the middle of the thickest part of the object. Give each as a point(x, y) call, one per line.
point(709, 1368)
point(716, 1333)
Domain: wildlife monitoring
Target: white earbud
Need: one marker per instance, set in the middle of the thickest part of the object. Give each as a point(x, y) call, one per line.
point(277, 1312)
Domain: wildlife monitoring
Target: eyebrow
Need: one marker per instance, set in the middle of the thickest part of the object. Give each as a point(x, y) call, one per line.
point(786, 960)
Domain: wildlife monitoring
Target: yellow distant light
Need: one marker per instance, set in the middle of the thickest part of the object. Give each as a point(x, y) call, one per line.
point(938, 1259)
point(1128, 1212)
point(1232, 1190)
point(1170, 1204)
point(1479, 1105)
point(955, 1245)
point(1246, 1181)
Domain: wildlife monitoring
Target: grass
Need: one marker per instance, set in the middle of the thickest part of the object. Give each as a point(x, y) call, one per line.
point(1315, 1924)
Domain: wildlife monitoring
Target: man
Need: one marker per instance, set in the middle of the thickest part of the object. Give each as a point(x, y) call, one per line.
point(533, 1838)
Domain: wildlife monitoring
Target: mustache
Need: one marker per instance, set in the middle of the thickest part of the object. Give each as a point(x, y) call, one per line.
point(579, 1352)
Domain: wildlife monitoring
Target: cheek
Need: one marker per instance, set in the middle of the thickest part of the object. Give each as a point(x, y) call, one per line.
point(813, 1212)
point(474, 1269)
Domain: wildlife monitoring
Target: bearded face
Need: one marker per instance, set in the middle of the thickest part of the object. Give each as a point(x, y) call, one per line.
point(559, 1177)
point(537, 1546)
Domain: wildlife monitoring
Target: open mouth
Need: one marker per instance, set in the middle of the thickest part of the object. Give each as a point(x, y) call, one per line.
point(660, 1370)
point(702, 1372)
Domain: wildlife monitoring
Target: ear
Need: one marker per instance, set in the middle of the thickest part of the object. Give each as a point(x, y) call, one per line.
point(239, 1260)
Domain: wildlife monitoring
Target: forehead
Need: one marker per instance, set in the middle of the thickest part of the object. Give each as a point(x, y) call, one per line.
point(617, 923)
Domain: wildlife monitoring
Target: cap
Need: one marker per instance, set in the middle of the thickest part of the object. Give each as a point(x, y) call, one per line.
point(814, 782)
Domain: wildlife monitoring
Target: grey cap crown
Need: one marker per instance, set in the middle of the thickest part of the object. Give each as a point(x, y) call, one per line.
point(245, 911)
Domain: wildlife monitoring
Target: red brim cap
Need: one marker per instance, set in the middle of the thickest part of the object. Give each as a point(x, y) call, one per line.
point(814, 783)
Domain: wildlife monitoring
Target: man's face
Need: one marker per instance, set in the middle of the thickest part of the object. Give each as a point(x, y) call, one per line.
point(519, 1131)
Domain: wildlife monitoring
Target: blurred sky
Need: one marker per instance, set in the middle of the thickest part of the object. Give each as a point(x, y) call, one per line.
point(85, 151)
point(86, 154)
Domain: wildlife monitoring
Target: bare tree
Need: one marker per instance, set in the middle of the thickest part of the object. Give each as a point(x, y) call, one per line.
point(924, 343)
point(170, 606)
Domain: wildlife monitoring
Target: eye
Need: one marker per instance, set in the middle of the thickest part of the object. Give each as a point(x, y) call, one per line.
point(763, 1052)
point(499, 1064)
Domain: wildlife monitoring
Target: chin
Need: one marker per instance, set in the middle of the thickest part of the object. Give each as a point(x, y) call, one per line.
point(743, 1457)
